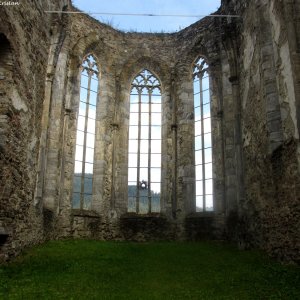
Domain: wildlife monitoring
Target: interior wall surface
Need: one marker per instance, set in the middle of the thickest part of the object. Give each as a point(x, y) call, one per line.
point(268, 77)
point(25, 40)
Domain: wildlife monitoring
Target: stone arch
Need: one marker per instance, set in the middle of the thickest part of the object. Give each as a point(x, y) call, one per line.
point(133, 66)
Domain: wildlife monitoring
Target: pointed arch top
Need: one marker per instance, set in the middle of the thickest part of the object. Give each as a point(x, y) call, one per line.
point(145, 79)
point(90, 64)
point(200, 67)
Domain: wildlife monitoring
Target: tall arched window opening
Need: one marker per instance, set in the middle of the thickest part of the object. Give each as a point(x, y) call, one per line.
point(203, 137)
point(144, 150)
point(85, 135)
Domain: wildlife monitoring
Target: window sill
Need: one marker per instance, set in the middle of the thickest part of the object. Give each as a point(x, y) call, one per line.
point(199, 215)
point(84, 213)
point(143, 216)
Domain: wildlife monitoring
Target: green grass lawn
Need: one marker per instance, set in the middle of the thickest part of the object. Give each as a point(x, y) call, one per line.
point(81, 269)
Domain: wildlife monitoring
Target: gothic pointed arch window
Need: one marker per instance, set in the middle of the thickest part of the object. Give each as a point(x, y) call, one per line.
point(85, 135)
point(203, 137)
point(144, 146)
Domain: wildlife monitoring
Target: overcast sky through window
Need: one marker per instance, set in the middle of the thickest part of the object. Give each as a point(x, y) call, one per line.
point(148, 24)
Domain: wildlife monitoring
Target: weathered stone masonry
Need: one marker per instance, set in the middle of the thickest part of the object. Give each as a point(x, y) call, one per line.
point(254, 78)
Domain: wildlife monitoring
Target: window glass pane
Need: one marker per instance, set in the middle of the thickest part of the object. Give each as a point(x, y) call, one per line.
point(156, 95)
point(79, 137)
point(197, 100)
point(132, 160)
point(144, 146)
point(144, 160)
point(155, 188)
point(92, 112)
point(198, 142)
point(90, 140)
point(156, 119)
point(81, 123)
point(89, 155)
point(209, 203)
point(76, 200)
point(133, 146)
point(145, 98)
point(155, 146)
point(207, 140)
point(208, 187)
point(82, 109)
point(205, 82)
point(206, 110)
point(132, 189)
point(77, 184)
point(197, 128)
point(208, 170)
point(197, 114)
point(132, 174)
point(155, 175)
point(199, 187)
point(95, 76)
point(94, 85)
point(133, 132)
point(144, 174)
point(196, 86)
point(143, 205)
point(156, 160)
point(93, 98)
point(198, 157)
point(88, 185)
point(79, 153)
point(156, 108)
point(145, 108)
point(208, 155)
point(84, 80)
point(134, 98)
point(206, 97)
point(134, 119)
point(199, 203)
point(131, 203)
point(207, 125)
point(87, 202)
point(199, 175)
point(88, 169)
point(155, 203)
point(134, 107)
point(78, 167)
point(83, 94)
point(144, 132)
point(155, 132)
point(91, 126)
point(144, 119)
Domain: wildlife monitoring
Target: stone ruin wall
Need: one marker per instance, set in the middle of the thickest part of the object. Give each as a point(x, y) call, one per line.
point(255, 82)
point(120, 57)
point(269, 215)
point(24, 48)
